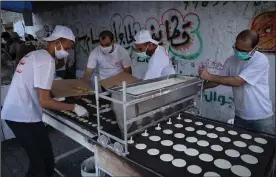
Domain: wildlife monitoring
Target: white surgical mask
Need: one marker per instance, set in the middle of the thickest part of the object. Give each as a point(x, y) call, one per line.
point(60, 54)
point(106, 50)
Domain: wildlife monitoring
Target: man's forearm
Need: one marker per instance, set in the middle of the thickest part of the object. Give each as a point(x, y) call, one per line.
point(128, 70)
point(233, 81)
point(210, 85)
point(87, 74)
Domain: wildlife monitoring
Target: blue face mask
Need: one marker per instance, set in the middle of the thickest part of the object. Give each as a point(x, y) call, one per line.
point(143, 55)
point(243, 55)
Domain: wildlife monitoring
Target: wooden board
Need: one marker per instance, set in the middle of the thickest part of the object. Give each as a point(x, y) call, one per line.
point(70, 87)
point(117, 80)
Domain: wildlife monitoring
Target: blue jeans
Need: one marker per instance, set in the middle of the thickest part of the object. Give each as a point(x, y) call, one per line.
point(262, 126)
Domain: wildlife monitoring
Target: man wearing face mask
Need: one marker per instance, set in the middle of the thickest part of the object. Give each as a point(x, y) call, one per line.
point(111, 58)
point(29, 92)
point(147, 48)
point(247, 72)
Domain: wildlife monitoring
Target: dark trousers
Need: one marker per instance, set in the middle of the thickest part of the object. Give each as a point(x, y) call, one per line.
point(37, 145)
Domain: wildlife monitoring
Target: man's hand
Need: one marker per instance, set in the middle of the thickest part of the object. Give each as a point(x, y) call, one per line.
point(204, 74)
point(80, 111)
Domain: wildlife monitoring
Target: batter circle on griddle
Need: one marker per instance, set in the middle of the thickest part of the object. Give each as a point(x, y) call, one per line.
point(167, 131)
point(179, 135)
point(153, 151)
point(166, 157)
point(223, 164)
point(179, 147)
point(191, 139)
point(166, 142)
point(154, 138)
point(179, 162)
point(241, 171)
point(141, 146)
point(194, 169)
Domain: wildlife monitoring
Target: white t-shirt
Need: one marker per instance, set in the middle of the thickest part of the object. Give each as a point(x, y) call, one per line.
point(35, 70)
point(252, 101)
point(159, 64)
point(109, 64)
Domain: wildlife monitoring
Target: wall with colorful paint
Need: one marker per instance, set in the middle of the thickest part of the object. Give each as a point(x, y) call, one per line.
point(194, 34)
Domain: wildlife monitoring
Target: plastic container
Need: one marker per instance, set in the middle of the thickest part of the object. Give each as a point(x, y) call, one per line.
point(88, 167)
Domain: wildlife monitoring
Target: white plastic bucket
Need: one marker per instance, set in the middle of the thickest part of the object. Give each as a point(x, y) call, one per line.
point(87, 166)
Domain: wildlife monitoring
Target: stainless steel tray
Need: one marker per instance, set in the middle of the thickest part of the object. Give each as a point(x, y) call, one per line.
point(153, 99)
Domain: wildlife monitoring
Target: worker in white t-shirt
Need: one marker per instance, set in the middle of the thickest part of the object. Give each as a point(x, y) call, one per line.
point(110, 58)
point(147, 48)
point(29, 92)
point(247, 72)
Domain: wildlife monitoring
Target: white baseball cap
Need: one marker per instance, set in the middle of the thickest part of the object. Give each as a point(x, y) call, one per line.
point(144, 36)
point(61, 32)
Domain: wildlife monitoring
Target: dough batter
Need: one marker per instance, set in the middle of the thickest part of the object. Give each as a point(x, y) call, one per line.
point(141, 146)
point(260, 140)
point(191, 152)
point(231, 132)
point(201, 132)
point(249, 159)
point(211, 174)
point(209, 126)
point(246, 136)
point(241, 171)
point(166, 142)
point(206, 157)
point(153, 151)
point(166, 157)
point(154, 138)
point(179, 135)
point(189, 129)
point(225, 139)
point(203, 143)
point(212, 135)
point(178, 125)
point(179, 162)
point(199, 123)
point(191, 139)
point(216, 147)
point(223, 164)
point(232, 153)
point(239, 144)
point(256, 149)
point(167, 131)
point(139, 89)
point(179, 147)
point(220, 129)
point(194, 169)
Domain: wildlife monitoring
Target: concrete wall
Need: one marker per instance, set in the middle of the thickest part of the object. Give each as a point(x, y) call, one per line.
point(194, 33)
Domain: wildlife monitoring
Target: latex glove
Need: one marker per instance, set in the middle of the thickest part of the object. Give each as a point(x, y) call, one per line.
point(80, 111)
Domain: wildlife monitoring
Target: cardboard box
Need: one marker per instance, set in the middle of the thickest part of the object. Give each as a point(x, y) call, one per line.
point(70, 87)
point(117, 80)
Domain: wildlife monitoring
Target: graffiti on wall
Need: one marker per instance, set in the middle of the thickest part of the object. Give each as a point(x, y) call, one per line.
point(177, 32)
point(265, 25)
point(213, 96)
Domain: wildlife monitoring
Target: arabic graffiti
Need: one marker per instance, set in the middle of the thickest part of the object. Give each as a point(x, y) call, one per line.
point(179, 34)
point(213, 96)
point(265, 25)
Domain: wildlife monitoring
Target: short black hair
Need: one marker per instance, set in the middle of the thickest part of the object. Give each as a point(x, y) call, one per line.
point(105, 34)
point(249, 35)
point(5, 35)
